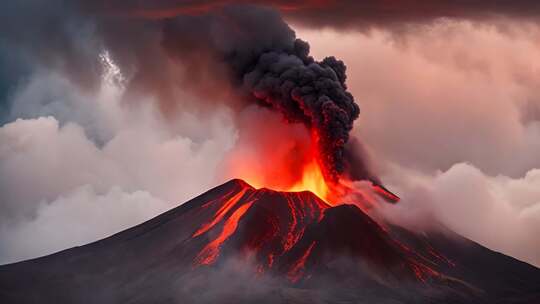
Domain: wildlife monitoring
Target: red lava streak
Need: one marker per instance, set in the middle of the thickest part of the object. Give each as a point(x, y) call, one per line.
point(221, 212)
point(292, 237)
point(209, 254)
point(293, 233)
point(296, 271)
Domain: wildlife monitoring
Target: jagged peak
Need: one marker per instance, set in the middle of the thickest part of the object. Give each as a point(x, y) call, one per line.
point(237, 182)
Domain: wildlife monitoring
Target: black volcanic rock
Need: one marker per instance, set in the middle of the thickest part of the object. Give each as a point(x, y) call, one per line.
point(237, 244)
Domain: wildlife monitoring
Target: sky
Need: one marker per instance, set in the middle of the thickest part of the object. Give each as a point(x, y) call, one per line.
point(90, 145)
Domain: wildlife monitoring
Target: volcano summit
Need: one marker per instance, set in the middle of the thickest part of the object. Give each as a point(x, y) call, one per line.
point(238, 244)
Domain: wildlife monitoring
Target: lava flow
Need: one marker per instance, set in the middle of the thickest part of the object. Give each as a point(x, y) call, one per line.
point(292, 232)
point(292, 246)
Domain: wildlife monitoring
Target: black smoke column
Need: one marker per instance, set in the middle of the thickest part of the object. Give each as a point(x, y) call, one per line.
point(274, 69)
point(313, 93)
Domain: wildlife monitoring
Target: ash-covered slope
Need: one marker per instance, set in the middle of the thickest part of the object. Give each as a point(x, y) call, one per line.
point(237, 244)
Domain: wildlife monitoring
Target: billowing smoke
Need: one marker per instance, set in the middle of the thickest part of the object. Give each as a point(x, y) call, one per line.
point(154, 128)
point(271, 67)
point(244, 50)
point(260, 53)
point(310, 92)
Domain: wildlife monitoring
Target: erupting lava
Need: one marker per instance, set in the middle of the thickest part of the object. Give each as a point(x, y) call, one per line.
point(281, 175)
point(276, 154)
point(282, 231)
point(312, 179)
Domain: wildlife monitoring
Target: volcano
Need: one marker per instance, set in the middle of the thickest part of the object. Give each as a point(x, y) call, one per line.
point(238, 244)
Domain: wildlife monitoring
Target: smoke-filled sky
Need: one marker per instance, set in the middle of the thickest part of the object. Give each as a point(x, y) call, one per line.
point(111, 113)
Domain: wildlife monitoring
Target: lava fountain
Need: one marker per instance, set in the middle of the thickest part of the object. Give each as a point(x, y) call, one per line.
point(276, 154)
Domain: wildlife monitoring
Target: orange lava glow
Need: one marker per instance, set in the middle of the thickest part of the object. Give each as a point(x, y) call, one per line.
point(220, 213)
point(312, 180)
point(279, 156)
point(285, 157)
point(211, 251)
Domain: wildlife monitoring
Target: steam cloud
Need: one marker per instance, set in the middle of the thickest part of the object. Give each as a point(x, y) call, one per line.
point(455, 132)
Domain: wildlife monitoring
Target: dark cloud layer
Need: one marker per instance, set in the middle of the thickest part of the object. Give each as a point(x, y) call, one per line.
point(364, 14)
point(340, 13)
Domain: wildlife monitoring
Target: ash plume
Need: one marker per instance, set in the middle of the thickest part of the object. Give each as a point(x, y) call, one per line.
point(246, 49)
point(255, 50)
point(221, 46)
point(313, 93)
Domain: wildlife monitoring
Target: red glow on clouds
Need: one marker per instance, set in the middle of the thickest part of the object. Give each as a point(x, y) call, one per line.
point(170, 9)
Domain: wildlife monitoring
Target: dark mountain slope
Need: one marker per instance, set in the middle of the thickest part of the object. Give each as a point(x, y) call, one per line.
point(237, 244)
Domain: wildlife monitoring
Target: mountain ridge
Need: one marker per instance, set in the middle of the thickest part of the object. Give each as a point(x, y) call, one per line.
point(279, 242)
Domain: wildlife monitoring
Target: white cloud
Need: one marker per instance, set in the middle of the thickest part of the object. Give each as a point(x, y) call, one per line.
point(453, 92)
point(499, 212)
point(449, 114)
point(76, 218)
point(91, 158)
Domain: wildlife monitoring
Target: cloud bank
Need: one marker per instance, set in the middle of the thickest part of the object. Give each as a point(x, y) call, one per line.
point(80, 167)
point(451, 120)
